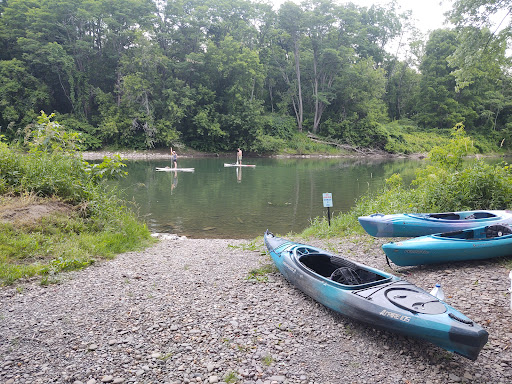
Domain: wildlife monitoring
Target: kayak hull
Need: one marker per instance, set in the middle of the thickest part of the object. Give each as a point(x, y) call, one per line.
point(376, 298)
point(471, 244)
point(412, 225)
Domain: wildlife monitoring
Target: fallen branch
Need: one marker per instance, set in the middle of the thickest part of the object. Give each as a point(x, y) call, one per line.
point(348, 147)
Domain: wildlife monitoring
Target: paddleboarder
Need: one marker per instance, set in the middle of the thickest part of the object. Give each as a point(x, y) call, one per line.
point(239, 157)
point(174, 158)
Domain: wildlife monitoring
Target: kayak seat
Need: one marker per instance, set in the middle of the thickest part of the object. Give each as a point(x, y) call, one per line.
point(339, 269)
point(462, 234)
point(483, 215)
point(346, 276)
point(445, 216)
point(479, 215)
point(497, 230)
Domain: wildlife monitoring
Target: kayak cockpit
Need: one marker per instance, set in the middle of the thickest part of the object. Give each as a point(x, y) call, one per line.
point(469, 215)
point(489, 232)
point(340, 270)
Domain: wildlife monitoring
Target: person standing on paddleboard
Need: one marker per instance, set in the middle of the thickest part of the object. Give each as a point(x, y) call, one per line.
point(174, 158)
point(239, 157)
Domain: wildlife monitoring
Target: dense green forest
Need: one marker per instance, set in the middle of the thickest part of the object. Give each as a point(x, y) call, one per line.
point(217, 74)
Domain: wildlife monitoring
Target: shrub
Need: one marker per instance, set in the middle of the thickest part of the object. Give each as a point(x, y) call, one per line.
point(99, 225)
point(446, 184)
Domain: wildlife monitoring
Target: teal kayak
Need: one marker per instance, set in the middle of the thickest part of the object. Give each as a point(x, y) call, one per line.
point(470, 244)
point(375, 297)
point(420, 224)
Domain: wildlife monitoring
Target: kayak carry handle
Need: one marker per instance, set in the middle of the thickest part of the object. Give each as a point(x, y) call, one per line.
point(468, 322)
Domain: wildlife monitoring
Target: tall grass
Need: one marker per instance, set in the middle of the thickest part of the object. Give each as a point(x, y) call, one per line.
point(95, 223)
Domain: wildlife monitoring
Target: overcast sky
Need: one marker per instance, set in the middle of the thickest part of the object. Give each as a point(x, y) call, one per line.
point(428, 13)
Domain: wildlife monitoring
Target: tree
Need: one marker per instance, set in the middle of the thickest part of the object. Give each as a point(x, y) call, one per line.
point(20, 95)
point(438, 100)
point(402, 90)
point(291, 22)
point(328, 55)
point(480, 40)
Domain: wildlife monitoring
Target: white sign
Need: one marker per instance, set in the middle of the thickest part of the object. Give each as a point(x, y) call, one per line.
point(327, 200)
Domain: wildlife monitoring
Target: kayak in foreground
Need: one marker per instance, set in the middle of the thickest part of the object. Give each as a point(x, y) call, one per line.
point(169, 169)
point(470, 244)
point(238, 165)
point(420, 224)
point(375, 297)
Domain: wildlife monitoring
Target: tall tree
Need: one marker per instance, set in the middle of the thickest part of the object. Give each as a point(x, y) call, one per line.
point(485, 28)
point(291, 19)
point(439, 106)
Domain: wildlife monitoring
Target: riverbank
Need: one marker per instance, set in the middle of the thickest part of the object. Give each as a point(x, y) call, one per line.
point(184, 311)
point(154, 154)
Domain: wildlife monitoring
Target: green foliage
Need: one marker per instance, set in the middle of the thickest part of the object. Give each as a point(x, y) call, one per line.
point(20, 95)
point(479, 49)
point(231, 377)
point(446, 183)
point(407, 138)
point(109, 168)
point(59, 244)
point(144, 74)
point(98, 225)
point(301, 144)
point(48, 136)
point(261, 274)
point(476, 186)
point(451, 155)
point(268, 144)
point(89, 135)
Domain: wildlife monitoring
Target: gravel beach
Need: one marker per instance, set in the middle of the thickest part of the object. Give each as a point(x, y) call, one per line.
point(185, 311)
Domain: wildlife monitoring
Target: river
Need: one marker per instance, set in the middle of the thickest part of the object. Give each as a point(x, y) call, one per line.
point(283, 195)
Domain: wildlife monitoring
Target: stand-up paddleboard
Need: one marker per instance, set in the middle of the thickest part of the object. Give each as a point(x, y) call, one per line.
point(169, 169)
point(238, 165)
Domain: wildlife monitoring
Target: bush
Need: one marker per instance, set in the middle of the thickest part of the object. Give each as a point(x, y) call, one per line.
point(99, 225)
point(266, 143)
point(446, 184)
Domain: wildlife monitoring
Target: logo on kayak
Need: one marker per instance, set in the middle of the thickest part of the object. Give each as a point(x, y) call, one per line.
point(395, 316)
point(289, 267)
point(420, 251)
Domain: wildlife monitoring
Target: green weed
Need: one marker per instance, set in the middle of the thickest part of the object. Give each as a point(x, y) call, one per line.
point(166, 356)
point(261, 274)
point(267, 360)
point(231, 377)
point(254, 245)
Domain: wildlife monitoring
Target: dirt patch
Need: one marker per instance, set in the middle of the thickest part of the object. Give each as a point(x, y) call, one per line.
point(31, 210)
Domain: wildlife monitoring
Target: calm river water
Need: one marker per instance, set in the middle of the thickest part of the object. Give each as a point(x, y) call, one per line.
point(283, 195)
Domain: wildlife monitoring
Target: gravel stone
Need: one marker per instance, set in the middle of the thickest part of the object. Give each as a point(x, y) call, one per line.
point(185, 311)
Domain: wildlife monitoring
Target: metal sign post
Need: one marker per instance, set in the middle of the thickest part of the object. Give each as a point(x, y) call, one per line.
point(328, 204)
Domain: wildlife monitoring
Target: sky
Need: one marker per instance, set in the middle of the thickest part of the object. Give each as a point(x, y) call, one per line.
point(428, 13)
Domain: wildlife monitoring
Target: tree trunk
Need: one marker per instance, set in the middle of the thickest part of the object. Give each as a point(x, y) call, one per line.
point(300, 108)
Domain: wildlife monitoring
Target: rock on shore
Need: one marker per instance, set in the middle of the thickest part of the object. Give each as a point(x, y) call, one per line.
point(184, 311)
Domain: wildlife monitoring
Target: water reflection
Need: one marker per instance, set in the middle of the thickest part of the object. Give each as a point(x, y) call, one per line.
point(174, 183)
point(239, 174)
point(282, 195)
